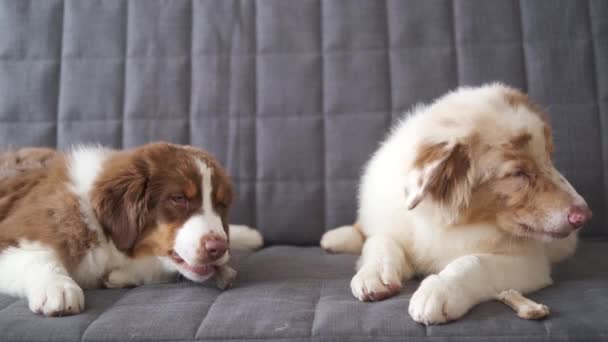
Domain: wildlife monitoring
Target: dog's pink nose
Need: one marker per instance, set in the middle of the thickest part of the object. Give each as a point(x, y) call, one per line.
point(579, 215)
point(214, 247)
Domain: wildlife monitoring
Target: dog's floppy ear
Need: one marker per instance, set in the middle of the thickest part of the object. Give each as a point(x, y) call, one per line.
point(120, 202)
point(442, 171)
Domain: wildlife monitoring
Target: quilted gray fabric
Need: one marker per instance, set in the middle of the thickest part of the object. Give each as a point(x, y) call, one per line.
point(300, 294)
point(293, 96)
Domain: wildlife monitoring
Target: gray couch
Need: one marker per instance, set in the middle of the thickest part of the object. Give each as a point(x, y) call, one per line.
point(292, 97)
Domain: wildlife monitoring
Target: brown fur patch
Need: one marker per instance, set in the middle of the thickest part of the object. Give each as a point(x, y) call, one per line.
point(190, 190)
point(120, 199)
point(519, 195)
point(14, 162)
point(157, 241)
point(7, 243)
point(430, 152)
point(516, 98)
point(521, 140)
point(38, 206)
point(452, 169)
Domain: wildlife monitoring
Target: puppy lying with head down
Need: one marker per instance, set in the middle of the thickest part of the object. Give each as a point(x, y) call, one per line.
point(462, 190)
point(96, 217)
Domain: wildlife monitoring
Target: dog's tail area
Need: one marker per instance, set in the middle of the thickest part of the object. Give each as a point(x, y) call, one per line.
point(344, 239)
point(15, 162)
point(245, 238)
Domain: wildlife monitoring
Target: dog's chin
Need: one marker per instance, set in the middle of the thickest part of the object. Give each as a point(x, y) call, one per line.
point(543, 235)
point(197, 273)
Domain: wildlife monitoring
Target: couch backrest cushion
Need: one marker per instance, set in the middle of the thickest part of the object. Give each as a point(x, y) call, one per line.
point(293, 96)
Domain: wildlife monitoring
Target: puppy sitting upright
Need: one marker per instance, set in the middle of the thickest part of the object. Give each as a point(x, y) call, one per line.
point(95, 217)
point(463, 190)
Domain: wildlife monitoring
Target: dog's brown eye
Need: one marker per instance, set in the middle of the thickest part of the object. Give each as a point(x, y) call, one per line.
point(520, 174)
point(179, 200)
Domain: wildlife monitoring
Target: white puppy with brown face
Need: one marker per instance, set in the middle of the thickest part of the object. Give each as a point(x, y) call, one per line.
point(462, 190)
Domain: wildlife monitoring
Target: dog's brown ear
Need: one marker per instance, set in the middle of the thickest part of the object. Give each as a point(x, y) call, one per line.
point(442, 170)
point(222, 196)
point(120, 203)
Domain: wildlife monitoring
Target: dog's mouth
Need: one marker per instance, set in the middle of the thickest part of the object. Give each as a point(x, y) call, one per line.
point(202, 270)
point(535, 233)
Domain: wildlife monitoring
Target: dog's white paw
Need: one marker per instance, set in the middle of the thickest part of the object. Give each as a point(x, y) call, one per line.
point(435, 302)
point(118, 278)
point(371, 284)
point(344, 239)
point(534, 311)
point(57, 296)
point(245, 238)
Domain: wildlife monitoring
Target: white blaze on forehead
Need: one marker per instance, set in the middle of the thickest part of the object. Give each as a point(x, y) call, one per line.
point(207, 186)
point(202, 223)
point(209, 214)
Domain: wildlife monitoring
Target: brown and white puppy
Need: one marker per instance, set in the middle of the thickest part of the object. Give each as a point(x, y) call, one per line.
point(463, 190)
point(97, 217)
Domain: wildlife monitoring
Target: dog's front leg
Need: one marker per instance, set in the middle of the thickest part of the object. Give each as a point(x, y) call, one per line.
point(138, 272)
point(34, 271)
point(472, 279)
point(381, 269)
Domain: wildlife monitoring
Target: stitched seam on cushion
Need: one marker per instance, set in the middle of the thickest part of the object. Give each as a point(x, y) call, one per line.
point(389, 68)
point(124, 77)
point(523, 47)
point(547, 327)
point(157, 304)
point(314, 312)
point(90, 58)
point(120, 119)
point(56, 121)
point(141, 118)
point(200, 326)
point(302, 115)
point(600, 118)
point(298, 116)
point(11, 304)
point(324, 117)
point(189, 75)
point(205, 54)
point(255, 114)
point(455, 45)
point(84, 332)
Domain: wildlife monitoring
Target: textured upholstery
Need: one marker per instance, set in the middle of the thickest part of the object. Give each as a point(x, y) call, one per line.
point(293, 96)
point(301, 294)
